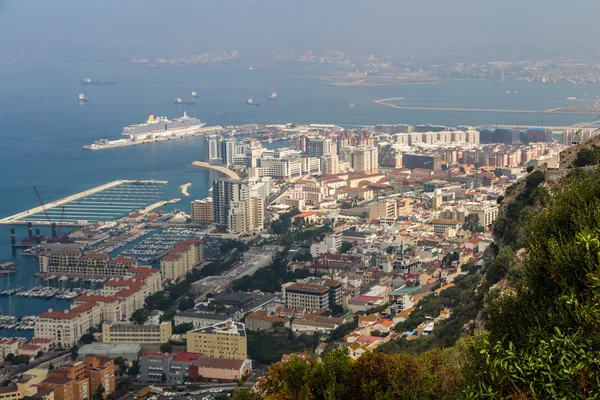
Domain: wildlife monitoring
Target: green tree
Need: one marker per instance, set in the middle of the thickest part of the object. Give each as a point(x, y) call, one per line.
point(140, 316)
point(87, 338)
point(20, 359)
point(346, 246)
point(186, 303)
point(530, 168)
point(74, 352)
point(9, 357)
point(168, 315)
point(134, 369)
point(183, 328)
point(166, 348)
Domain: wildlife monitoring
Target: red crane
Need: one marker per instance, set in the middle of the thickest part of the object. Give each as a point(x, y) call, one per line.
point(60, 222)
point(39, 198)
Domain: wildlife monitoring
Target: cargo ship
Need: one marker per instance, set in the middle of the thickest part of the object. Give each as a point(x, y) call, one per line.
point(252, 103)
point(154, 129)
point(90, 82)
point(273, 95)
point(82, 98)
point(179, 101)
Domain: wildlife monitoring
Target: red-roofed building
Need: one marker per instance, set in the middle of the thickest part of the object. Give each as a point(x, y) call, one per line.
point(29, 350)
point(73, 263)
point(45, 344)
point(65, 328)
point(184, 256)
point(208, 369)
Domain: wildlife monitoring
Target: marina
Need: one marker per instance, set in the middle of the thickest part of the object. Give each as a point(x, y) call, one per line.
point(155, 245)
point(107, 202)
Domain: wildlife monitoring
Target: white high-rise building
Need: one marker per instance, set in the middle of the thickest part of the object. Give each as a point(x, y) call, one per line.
point(318, 147)
point(366, 159)
point(329, 164)
point(212, 149)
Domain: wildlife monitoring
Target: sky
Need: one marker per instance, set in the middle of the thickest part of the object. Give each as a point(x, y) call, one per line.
point(122, 29)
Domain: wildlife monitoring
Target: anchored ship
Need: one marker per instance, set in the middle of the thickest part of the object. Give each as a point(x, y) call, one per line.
point(273, 95)
point(155, 128)
point(195, 95)
point(90, 82)
point(253, 103)
point(179, 101)
point(82, 98)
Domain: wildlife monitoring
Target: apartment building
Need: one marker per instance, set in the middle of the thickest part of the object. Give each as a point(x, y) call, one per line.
point(224, 340)
point(82, 379)
point(183, 258)
point(366, 160)
point(202, 210)
point(65, 328)
point(440, 225)
point(487, 213)
point(175, 369)
point(73, 262)
point(125, 332)
point(383, 209)
point(329, 164)
point(311, 295)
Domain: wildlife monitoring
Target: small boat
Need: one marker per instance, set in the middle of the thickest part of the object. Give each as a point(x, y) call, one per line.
point(351, 104)
point(273, 95)
point(195, 95)
point(252, 103)
point(179, 101)
point(82, 98)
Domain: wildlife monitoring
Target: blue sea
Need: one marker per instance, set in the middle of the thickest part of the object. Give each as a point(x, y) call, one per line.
point(43, 127)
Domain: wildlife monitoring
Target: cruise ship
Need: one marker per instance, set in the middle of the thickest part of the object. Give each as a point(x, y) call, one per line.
point(161, 127)
point(155, 129)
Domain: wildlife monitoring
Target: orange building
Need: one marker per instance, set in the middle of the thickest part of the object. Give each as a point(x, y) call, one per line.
point(63, 387)
point(80, 379)
point(101, 371)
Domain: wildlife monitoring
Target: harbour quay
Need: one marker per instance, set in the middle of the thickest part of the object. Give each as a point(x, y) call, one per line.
point(107, 202)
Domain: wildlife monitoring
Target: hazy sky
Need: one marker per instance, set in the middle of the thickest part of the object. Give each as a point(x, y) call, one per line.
point(108, 29)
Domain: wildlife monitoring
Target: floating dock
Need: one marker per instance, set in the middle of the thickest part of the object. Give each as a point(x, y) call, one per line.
point(106, 202)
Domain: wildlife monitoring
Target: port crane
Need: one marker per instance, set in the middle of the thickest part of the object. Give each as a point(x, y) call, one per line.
point(38, 196)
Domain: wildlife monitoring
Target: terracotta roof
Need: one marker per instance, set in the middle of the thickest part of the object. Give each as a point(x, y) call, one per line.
point(96, 255)
point(29, 347)
point(127, 292)
point(172, 257)
point(186, 357)
point(305, 214)
point(68, 314)
point(67, 251)
point(9, 389)
point(40, 340)
point(97, 298)
point(56, 381)
point(220, 363)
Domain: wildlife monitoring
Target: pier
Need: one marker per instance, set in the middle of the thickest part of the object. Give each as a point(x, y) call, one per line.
point(223, 170)
point(572, 111)
point(106, 202)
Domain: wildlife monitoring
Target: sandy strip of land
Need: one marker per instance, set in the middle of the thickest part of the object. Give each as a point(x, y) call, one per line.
point(385, 102)
point(184, 189)
point(219, 168)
